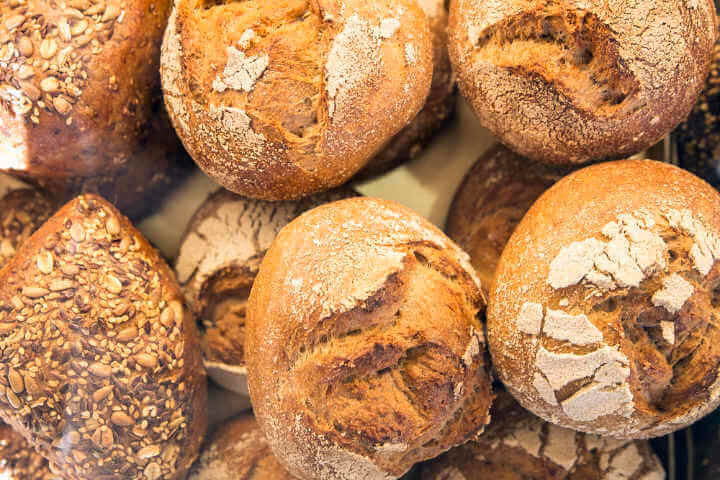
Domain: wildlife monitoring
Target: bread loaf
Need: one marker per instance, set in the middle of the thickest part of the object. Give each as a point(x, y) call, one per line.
point(439, 106)
point(601, 312)
point(220, 254)
point(494, 196)
point(80, 101)
point(519, 445)
point(575, 81)
point(101, 366)
point(18, 460)
point(364, 345)
point(278, 100)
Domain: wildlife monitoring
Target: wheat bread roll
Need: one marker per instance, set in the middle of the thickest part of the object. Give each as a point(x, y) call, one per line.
point(601, 315)
point(278, 100)
point(101, 369)
point(518, 445)
point(80, 100)
point(439, 107)
point(219, 257)
point(364, 343)
point(575, 81)
point(494, 196)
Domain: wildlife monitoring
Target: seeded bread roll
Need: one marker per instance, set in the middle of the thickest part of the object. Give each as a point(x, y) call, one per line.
point(278, 100)
point(439, 106)
point(101, 367)
point(80, 101)
point(364, 345)
point(601, 312)
point(22, 211)
point(574, 81)
point(220, 254)
point(495, 195)
point(518, 445)
point(698, 137)
point(18, 460)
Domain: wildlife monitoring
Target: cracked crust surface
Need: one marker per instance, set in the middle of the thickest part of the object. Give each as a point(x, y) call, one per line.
point(361, 373)
point(80, 100)
point(570, 81)
point(625, 252)
point(100, 365)
point(495, 195)
point(219, 257)
point(518, 445)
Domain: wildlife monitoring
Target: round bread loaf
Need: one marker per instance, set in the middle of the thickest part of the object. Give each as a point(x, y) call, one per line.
point(101, 369)
point(280, 100)
point(80, 100)
point(439, 106)
point(22, 211)
point(495, 195)
point(18, 460)
point(602, 312)
point(364, 345)
point(698, 137)
point(518, 445)
point(220, 254)
point(575, 81)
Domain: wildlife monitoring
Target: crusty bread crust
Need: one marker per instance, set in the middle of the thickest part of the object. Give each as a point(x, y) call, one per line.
point(364, 348)
point(494, 196)
point(282, 99)
point(80, 100)
point(573, 81)
point(601, 312)
point(102, 365)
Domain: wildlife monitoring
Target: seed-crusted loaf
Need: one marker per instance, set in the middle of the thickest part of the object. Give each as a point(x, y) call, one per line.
point(569, 81)
point(439, 106)
point(220, 254)
point(518, 445)
point(80, 100)
point(101, 369)
point(364, 345)
point(278, 100)
point(602, 312)
point(495, 195)
point(19, 461)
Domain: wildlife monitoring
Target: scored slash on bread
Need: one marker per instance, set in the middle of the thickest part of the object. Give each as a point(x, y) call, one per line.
point(101, 366)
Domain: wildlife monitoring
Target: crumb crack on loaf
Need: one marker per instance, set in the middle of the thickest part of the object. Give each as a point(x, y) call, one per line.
point(568, 48)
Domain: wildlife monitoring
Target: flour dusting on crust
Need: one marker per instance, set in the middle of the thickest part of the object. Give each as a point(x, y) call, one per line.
point(241, 72)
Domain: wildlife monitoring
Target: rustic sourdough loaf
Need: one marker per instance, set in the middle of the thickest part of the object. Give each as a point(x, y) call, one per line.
point(569, 81)
point(439, 106)
point(278, 100)
point(80, 100)
point(494, 196)
point(602, 315)
point(220, 254)
point(101, 364)
point(364, 345)
point(518, 445)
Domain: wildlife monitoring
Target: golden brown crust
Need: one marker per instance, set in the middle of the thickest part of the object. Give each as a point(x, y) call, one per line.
point(600, 315)
point(220, 254)
point(517, 445)
point(439, 106)
point(19, 461)
point(80, 99)
point(495, 195)
point(280, 100)
point(238, 450)
point(571, 81)
point(102, 370)
point(352, 378)
point(21, 213)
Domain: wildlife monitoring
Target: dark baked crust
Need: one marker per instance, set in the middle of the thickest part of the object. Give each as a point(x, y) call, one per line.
point(278, 101)
point(102, 369)
point(80, 103)
point(364, 344)
point(570, 82)
point(495, 195)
